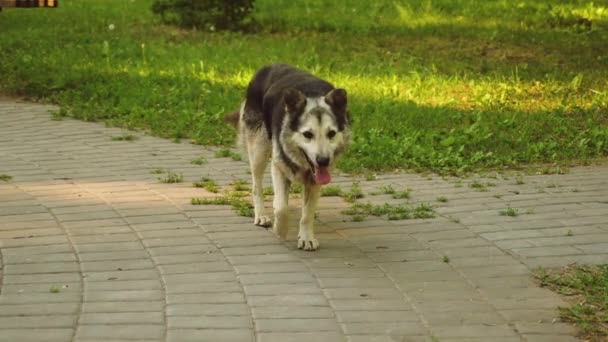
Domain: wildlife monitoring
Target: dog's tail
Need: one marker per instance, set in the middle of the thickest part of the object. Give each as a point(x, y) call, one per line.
point(232, 118)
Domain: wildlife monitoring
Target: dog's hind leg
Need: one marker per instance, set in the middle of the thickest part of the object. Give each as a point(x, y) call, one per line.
point(306, 236)
point(280, 202)
point(258, 154)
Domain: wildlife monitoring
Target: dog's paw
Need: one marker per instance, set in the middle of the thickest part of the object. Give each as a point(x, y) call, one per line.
point(262, 221)
point(308, 244)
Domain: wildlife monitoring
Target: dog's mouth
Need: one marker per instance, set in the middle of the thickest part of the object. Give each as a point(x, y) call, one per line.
point(321, 173)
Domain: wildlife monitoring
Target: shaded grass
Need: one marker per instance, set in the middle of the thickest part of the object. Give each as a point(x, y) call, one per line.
point(587, 289)
point(448, 86)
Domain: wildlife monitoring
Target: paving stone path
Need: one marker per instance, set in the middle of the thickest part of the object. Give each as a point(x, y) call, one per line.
point(94, 248)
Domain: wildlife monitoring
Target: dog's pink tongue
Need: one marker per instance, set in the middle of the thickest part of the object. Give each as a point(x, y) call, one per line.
point(322, 175)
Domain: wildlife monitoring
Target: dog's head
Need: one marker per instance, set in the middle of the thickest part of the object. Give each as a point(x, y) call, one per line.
point(319, 129)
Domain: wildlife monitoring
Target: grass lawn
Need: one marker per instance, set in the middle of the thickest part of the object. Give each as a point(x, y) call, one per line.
point(440, 85)
point(587, 289)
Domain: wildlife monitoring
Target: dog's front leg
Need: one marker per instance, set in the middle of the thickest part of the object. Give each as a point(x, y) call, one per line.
point(306, 237)
point(280, 203)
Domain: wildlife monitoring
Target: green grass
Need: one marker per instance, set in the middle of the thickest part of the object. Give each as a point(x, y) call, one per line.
point(331, 190)
point(199, 161)
point(5, 178)
point(587, 287)
point(241, 206)
point(359, 211)
point(171, 177)
point(509, 212)
point(228, 153)
point(208, 184)
point(241, 185)
point(443, 85)
point(441, 199)
point(353, 194)
point(405, 194)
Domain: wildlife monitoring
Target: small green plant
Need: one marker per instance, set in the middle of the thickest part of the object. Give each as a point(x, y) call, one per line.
point(354, 193)
point(199, 161)
point(208, 184)
point(171, 177)
point(442, 199)
point(358, 211)
point(370, 176)
point(157, 171)
point(227, 153)
point(587, 288)
point(519, 179)
point(498, 196)
point(570, 232)
point(551, 185)
point(405, 194)
point(296, 188)
point(387, 190)
point(423, 211)
point(5, 177)
point(477, 185)
point(446, 259)
point(54, 289)
point(268, 191)
point(241, 206)
point(458, 184)
point(509, 212)
point(240, 185)
point(124, 137)
point(331, 190)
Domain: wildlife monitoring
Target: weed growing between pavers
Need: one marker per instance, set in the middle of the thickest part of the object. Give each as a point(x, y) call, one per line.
point(587, 289)
point(5, 177)
point(199, 161)
point(241, 185)
point(442, 199)
point(353, 194)
point(171, 177)
point(208, 184)
point(509, 212)
point(359, 211)
point(405, 194)
point(331, 190)
point(235, 199)
point(228, 153)
point(157, 171)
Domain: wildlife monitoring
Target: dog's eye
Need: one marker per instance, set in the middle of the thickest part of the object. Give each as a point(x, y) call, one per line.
point(331, 134)
point(308, 135)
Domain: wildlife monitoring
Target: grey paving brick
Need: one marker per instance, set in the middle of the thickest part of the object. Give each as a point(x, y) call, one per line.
point(39, 309)
point(207, 298)
point(230, 309)
point(154, 318)
point(40, 335)
point(300, 337)
point(209, 322)
point(38, 322)
point(219, 335)
point(208, 287)
point(282, 312)
point(288, 300)
point(112, 307)
point(119, 331)
point(296, 325)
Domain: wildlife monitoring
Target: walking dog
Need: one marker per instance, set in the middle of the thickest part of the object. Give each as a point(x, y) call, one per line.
point(300, 123)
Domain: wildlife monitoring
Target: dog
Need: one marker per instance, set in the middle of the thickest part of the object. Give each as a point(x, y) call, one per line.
point(300, 123)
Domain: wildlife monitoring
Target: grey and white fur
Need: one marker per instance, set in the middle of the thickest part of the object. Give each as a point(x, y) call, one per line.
point(301, 123)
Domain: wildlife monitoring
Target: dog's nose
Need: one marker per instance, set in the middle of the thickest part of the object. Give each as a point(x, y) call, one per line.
point(323, 161)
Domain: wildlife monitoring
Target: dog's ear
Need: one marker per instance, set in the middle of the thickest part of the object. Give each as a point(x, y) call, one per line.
point(294, 100)
point(336, 99)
